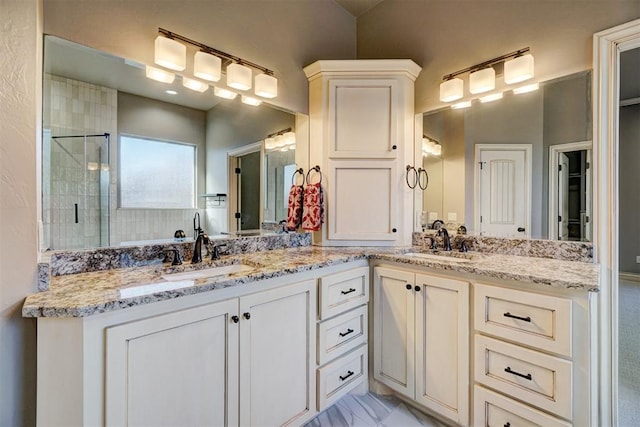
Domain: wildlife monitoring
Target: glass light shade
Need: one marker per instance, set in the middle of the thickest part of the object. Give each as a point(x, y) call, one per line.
point(482, 80)
point(280, 141)
point(461, 105)
point(269, 143)
point(518, 69)
point(207, 67)
point(451, 90)
point(239, 77)
point(224, 93)
point(196, 85)
point(491, 98)
point(251, 101)
point(266, 86)
point(436, 150)
point(92, 166)
point(159, 75)
point(285, 148)
point(290, 138)
point(525, 89)
point(170, 54)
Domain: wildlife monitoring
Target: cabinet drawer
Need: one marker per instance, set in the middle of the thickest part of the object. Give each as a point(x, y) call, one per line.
point(341, 376)
point(341, 334)
point(493, 409)
point(539, 379)
point(535, 320)
point(343, 291)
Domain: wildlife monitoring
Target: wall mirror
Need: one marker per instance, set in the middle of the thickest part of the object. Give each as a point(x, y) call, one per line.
point(128, 160)
point(518, 167)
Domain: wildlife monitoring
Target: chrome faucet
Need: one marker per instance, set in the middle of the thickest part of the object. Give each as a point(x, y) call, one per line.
point(197, 249)
point(446, 241)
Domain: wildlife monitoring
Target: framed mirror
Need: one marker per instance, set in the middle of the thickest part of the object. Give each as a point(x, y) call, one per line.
point(128, 160)
point(501, 159)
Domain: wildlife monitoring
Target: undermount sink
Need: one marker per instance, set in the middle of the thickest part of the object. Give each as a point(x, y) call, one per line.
point(207, 273)
point(184, 279)
point(443, 256)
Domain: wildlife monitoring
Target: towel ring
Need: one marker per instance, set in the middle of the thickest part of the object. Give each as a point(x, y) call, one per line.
point(317, 169)
point(420, 181)
point(293, 177)
point(415, 176)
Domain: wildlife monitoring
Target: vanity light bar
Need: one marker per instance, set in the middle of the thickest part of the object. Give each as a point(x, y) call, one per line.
point(526, 89)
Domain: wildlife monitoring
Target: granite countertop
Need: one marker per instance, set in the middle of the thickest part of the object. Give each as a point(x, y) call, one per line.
point(86, 294)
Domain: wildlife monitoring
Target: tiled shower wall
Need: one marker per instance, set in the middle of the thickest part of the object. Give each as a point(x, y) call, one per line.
point(75, 108)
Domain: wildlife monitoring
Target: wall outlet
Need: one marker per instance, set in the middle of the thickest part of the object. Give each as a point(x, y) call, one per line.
point(452, 216)
point(638, 259)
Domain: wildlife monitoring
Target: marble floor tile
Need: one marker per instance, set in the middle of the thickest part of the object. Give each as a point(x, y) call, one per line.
point(372, 410)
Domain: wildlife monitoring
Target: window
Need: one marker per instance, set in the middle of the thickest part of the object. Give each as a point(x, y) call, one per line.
point(156, 174)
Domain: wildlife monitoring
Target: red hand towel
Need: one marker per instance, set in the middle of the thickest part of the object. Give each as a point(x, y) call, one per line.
point(313, 212)
point(294, 207)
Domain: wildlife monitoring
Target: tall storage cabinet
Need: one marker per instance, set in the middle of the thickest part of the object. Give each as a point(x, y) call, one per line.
point(361, 136)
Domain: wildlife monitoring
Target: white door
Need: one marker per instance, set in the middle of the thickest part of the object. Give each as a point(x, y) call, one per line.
point(393, 316)
point(277, 356)
point(176, 369)
point(504, 189)
point(563, 196)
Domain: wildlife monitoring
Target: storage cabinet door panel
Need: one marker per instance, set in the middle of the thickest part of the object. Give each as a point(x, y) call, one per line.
point(442, 346)
point(277, 358)
point(394, 329)
point(174, 369)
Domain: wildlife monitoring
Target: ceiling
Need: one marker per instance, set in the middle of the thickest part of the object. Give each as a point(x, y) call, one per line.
point(358, 7)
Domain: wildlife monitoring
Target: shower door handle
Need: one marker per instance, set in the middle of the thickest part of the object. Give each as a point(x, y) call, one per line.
point(76, 211)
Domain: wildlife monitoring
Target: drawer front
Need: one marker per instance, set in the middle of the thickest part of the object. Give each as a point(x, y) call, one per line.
point(341, 334)
point(539, 379)
point(343, 291)
point(534, 320)
point(341, 376)
point(494, 410)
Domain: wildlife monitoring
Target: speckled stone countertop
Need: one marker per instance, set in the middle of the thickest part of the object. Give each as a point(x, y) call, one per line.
point(86, 294)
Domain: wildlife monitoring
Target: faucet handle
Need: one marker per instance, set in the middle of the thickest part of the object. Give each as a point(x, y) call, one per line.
point(463, 246)
point(215, 252)
point(177, 260)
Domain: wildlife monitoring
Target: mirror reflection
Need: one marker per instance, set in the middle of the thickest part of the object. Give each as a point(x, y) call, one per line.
point(519, 166)
point(128, 160)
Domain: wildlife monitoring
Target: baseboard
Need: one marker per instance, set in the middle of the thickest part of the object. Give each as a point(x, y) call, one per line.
point(629, 277)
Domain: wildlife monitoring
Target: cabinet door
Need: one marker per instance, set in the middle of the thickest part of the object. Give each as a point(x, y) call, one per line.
point(393, 325)
point(442, 346)
point(363, 120)
point(277, 355)
point(175, 369)
point(364, 201)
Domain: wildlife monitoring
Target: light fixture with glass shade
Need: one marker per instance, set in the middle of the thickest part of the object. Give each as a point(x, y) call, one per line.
point(224, 93)
point(159, 75)
point(491, 98)
point(193, 84)
point(518, 69)
point(266, 86)
point(207, 67)
point(170, 53)
point(250, 101)
point(461, 105)
point(239, 77)
point(451, 90)
point(482, 80)
point(526, 89)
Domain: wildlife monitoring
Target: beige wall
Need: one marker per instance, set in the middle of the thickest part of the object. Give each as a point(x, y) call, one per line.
point(20, 92)
point(444, 36)
point(281, 35)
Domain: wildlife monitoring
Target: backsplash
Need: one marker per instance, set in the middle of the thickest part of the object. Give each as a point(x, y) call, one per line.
point(552, 249)
point(71, 262)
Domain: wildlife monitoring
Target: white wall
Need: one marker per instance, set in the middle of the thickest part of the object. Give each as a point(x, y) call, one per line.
point(444, 36)
point(20, 93)
point(281, 35)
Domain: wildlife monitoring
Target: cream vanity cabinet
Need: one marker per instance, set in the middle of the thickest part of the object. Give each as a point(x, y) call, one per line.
point(421, 339)
point(361, 135)
point(531, 359)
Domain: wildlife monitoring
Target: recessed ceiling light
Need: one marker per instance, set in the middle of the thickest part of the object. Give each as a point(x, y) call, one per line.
point(171, 92)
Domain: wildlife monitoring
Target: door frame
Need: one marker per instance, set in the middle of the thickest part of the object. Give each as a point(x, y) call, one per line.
point(554, 151)
point(607, 46)
point(528, 180)
point(232, 179)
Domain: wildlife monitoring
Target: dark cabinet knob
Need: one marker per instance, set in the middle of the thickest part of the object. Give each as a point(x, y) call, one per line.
point(247, 315)
point(235, 319)
point(409, 286)
point(395, 147)
point(417, 288)
point(395, 230)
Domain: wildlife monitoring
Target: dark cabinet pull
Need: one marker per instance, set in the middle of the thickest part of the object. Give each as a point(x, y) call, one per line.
point(417, 288)
point(247, 315)
point(349, 373)
point(409, 286)
point(394, 230)
point(394, 147)
point(344, 334)
point(513, 316)
point(235, 319)
point(507, 424)
point(520, 229)
point(509, 371)
point(348, 292)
